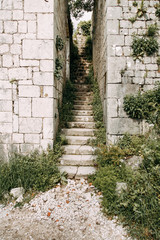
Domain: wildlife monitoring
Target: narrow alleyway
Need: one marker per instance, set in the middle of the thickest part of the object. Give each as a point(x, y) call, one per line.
point(78, 158)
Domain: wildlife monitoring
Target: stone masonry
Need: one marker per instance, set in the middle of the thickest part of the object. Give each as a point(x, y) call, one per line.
point(117, 73)
point(29, 92)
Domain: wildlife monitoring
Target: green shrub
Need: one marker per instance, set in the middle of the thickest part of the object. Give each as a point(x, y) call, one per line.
point(144, 106)
point(143, 45)
point(152, 30)
point(86, 27)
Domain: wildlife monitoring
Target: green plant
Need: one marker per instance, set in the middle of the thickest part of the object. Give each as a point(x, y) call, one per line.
point(142, 10)
point(132, 20)
point(135, 4)
point(86, 27)
point(67, 105)
point(144, 106)
point(158, 61)
point(58, 68)
point(36, 171)
point(157, 13)
point(152, 30)
point(143, 45)
point(59, 43)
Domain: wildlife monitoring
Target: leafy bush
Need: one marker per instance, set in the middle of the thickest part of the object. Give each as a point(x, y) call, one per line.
point(143, 45)
point(86, 27)
point(144, 106)
point(152, 30)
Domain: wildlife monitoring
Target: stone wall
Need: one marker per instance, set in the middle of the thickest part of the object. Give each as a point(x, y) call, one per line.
point(29, 92)
point(117, 72)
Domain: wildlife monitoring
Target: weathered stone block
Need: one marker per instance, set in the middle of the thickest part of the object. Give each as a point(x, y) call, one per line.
point(22, 28)
point(29, 91)
point(17, 138)
point(25, 107)
point(17, 73)
point(46, 65)
point(30, 125)
point(38, 6)
point(5, 38)
point(32, 26)
point(16, 49)
point(114, 13)
point(26, 148)
point(5, 94)
point(4, 48)
point(45, 26)
point(10, 27)
point(29, 63)
point(6, 117)
point(37, 49)
point(5, 15)
point(7, 61)
point(113, 26)
point(6, 127)
point(43, 78)
point(123, 125)
point(112, 107)
point(42, 107)
point(17, 4)
point(32, 138)
point(48, 91)
point(48, 128)
point(5, 106)
point(114, 67)
point(15, 124)
point(17, 15)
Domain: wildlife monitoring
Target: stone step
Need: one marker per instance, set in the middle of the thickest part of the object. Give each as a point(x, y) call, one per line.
point(89, 125)
point(77, 172)
point(82, 87)
point(78, 140)
point(82, 102)
point(82, 112)
point(83, 119)
point(79, 93)
point(82, 107)
point(78, 132)
point(77, 160)
point(84, 98)
point(78, 150)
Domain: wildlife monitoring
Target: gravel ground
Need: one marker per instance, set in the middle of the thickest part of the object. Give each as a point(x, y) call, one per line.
point(71, 212)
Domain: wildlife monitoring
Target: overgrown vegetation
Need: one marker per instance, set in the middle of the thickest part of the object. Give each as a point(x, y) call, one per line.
point(34, 172)
point(144, 45)
point(157, 13)
point(58, 68)
point(88, 48)
point(144, 106)
point(86, 27)
point(138, 205)
point(59, 43)
point(67, 105)
point(77, 7)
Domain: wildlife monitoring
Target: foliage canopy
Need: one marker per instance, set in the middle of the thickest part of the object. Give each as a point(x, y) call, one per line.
point(77, 7)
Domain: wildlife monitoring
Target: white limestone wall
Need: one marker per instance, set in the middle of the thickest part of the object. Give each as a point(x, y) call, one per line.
point(29, 92)
point(112, 56)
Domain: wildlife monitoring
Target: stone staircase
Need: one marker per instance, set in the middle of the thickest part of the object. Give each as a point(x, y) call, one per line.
point(78, 158)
